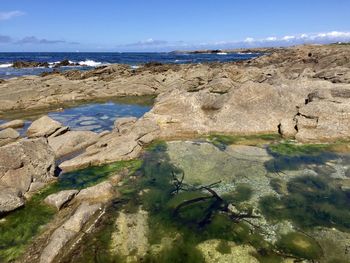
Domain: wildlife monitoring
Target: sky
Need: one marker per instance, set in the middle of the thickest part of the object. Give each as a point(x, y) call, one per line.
point(155, 25)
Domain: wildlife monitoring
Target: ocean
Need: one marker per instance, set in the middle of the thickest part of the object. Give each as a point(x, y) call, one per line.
point(88, 60)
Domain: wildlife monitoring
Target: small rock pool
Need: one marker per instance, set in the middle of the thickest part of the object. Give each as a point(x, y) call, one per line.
point(95, 116)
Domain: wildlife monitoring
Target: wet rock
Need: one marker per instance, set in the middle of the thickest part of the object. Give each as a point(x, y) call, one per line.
point(12, 124)
point(8, 135)
point(235, 253)
point(43, 127)
point(57, 242)
point(101, 192)
point(83, 213)
point(10, 199)
point(72, 141)
point(130, 238)
point(61, 198)
point(59, 239)
point(334, 243)
point(204, 163)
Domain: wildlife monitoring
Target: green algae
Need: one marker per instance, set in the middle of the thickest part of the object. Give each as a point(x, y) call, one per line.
point(223, 247)
point(242, 193)
point(292, 149)
point(288, 155)
point(302, 201)
point(222, 140)
point(22, 225)
point(311, 201)
point(19, 227)
point(300, 245)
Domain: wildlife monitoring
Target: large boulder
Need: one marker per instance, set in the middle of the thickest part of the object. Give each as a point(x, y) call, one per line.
point(43, 127)
point(25, 162)
point(72, 141)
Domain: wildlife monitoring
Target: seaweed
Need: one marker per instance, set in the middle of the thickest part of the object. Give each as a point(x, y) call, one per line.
point(311, 201)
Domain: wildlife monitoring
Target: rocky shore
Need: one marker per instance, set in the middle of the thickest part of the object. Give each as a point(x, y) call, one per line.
point(301, 93)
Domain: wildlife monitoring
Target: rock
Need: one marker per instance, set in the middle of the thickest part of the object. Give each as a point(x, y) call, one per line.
point(65, 63)
point(8, 135)
point(20, 179)
point(83, 213)
point(72, 141)
point(287, 128)
point(236, 253)
point(43, 127)
point(324, 118)
point(60, 198)
point(101, 192)
point(10, 199)
point(29, 64)
point(220, 85)
point(24, 162)
point(12, 124)
point(130, 238)
point(258, 96)
point(57, 242)
point(110, 148)
point(123, 124)
point(199, 160)
point(60, 131)
point(67, 231)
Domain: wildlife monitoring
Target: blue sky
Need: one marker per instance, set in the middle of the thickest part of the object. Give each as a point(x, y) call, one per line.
point(155, 25)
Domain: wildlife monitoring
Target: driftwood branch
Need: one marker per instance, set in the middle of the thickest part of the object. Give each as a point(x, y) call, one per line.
point(218, 204)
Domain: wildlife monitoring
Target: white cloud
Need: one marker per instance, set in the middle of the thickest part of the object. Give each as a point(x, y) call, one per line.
point(316, 38)
point(270, 39)
point(11, 14)
point(249, 40)
point(287, 38)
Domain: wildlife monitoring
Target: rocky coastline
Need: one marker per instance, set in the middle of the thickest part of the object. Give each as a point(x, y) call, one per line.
point(300, 93)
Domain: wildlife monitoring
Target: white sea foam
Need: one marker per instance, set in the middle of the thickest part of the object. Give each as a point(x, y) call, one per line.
point(90, 63)
point(221, 53)
point(8, 65)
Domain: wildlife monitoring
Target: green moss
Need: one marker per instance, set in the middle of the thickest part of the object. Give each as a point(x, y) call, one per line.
point(300, 245)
